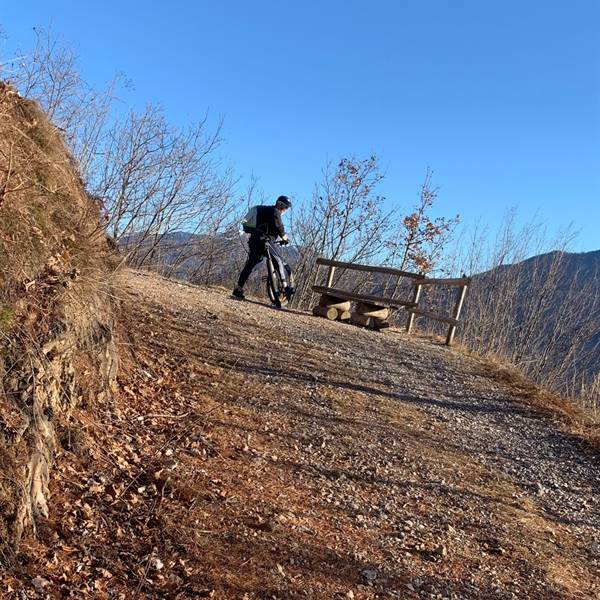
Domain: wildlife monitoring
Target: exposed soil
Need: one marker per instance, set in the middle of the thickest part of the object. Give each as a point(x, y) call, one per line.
point(256, 453)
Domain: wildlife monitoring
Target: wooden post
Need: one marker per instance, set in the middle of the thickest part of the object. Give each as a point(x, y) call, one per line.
point(415, 299)
point(456, 314)
point(312, 293)
point(330, 276)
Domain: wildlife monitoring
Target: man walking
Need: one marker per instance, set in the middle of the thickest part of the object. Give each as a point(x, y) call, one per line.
point(261, 221)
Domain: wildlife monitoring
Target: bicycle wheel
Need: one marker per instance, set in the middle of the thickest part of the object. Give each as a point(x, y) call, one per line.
point(275, 290)
point(276, 287)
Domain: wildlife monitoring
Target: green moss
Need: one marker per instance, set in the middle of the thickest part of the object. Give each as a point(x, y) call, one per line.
point(7, 319)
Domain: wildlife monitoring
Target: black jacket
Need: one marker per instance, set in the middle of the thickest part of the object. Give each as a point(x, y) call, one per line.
point(268, 220)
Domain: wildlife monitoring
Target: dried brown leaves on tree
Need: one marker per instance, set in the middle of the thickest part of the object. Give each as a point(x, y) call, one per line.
point(344, 220)
point(420, 239)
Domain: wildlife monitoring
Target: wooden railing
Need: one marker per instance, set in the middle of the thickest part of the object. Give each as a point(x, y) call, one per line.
point(463, 285)
point(411, 305)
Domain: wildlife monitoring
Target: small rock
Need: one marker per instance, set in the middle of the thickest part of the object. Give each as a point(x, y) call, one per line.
point(39, 583)
point(368, 575)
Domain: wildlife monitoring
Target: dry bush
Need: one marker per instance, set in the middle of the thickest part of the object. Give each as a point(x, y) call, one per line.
point(540, 315)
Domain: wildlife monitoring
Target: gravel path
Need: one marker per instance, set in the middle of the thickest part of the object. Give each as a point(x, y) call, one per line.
point(476, 412)
point(417, 446)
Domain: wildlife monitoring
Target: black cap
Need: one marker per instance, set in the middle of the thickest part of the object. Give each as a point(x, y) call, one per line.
point(284, 200)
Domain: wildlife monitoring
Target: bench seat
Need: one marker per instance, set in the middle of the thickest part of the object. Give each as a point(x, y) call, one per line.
point(367, 298)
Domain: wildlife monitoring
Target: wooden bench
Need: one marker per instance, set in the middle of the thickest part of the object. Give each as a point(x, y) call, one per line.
point(371, 310)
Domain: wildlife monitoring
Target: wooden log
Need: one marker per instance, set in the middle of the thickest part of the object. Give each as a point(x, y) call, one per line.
point(456, 314)
point(372, 310)
point(361, 297)
point(368, 322)
point(361, 320)
point(326, 312)
point(333, 302)
point(343, 315)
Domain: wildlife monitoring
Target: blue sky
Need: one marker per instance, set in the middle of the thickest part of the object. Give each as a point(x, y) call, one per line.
point(500, 99)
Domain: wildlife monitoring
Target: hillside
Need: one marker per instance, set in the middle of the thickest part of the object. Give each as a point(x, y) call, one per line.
point(546, 317)
point(245, 452)
point(56, 313)
point(255, 453)
point(578, 265)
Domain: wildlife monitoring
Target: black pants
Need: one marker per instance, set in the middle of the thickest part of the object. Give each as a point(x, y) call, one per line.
point(257, 252)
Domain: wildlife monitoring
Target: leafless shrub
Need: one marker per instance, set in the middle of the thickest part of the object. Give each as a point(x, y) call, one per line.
point(540, 314)
point(149, 178)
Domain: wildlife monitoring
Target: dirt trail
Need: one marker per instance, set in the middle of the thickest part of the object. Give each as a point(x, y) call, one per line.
point(255, 453)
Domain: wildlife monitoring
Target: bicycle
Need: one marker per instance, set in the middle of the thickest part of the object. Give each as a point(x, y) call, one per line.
point(279, 278)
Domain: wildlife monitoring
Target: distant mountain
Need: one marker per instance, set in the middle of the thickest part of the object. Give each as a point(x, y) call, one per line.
point(580, 266)
point(200, 258)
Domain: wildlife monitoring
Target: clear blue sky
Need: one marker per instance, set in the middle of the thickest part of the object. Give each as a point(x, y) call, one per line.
point(500, 98)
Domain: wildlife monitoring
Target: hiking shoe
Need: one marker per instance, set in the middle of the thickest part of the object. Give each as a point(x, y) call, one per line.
point(238, 294)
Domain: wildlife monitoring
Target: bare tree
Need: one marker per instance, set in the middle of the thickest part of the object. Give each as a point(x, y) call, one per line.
point(419, 240)
point(157, 180)
point(344, 220)
point(150, 178)
point(49, 74)
point(539, 314)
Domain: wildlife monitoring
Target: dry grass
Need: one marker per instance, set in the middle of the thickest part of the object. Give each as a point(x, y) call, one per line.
point(50, 233)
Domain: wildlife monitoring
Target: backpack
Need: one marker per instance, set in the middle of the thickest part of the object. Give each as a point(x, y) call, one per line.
point(249, 222)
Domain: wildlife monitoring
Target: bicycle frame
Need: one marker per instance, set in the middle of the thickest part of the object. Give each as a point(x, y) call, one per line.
point(279, 275)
